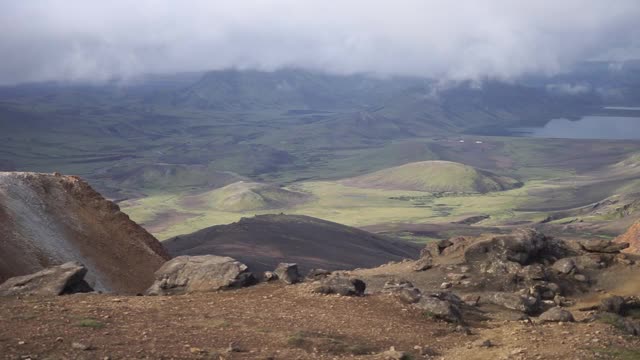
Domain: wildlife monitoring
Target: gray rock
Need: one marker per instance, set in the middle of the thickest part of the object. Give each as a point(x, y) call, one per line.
point(440, 307)
point(393, 354)
point(471, 299)
point(603, 246)
point(556, 314)
point(564, 266)
point(533, 272)
point(613, 304)
point(435, 248)
point(317, 274)
point(187, 274)
point(483, 343)
point(458, 245)
point(545, 291)
point(580, 277)
point(288, 273)
point(396, 285)
point(422, 264)
point(521, 247)
point(523, 303)
point(67, 278)
point(340, 285)
point(403, 290)
point(409, 296)
point(81, 346)
point(269, 276)
point(456, 277)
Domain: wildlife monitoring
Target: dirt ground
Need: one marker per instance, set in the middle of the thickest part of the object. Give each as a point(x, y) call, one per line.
point(274, 321)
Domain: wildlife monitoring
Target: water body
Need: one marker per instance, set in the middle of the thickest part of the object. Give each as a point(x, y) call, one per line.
point(634, 108)
point(588, 127)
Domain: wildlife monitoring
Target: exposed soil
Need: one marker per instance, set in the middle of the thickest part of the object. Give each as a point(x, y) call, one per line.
point(274, 321)
point(631, 236)
point(51, 219)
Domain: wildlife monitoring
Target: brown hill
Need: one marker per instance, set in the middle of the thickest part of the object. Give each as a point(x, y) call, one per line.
point(632, 236)
point(51, 219)
point(263, 241)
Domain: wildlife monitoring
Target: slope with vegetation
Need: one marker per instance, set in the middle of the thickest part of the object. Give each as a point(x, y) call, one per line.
point(434, 176)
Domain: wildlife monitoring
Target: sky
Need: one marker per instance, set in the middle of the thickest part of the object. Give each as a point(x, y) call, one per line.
point(87, 40)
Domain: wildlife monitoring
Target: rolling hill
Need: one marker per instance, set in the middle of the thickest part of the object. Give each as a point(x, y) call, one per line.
point(247, 196)
point(434, 176)
point(263, 241)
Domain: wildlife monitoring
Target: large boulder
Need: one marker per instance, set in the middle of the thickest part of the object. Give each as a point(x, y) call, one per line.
point(422, 264)
point(603, 246)
point(435, 248)
point(67, 278)
point(565, 266)
point(403, 290)
point(523, 303)
point(187, 274)
point(288, 273)
point(522, 247)
point(572, 264)
point(442, 306)
point(614, 304)
point(620, 305)
point(556, 314)
point(317, 274)
point(340, 285)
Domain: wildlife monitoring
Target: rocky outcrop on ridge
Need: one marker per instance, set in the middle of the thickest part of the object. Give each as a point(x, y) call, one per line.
point(51, 219)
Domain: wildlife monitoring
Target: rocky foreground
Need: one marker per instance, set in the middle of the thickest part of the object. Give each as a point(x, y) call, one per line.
point(276, 321)
point(517, 296)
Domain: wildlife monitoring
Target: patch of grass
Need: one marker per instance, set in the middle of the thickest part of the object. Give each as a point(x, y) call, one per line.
point(91, 323)
point(298, 340)
point(330, 344)
point(429, 314)
point(634, 313)
point(619, 353)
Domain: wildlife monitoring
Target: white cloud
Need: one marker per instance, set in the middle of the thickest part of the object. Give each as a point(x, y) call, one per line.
point(96, 40)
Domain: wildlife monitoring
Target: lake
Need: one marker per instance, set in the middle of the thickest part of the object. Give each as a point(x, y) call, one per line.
point(588, 127)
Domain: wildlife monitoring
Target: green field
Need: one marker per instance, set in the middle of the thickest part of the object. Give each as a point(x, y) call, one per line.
point(185, 152)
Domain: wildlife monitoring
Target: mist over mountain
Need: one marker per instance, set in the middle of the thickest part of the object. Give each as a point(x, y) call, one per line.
point(88, 41)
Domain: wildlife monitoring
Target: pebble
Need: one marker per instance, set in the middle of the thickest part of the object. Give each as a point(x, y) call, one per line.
point(80, 346)
point(483, 343)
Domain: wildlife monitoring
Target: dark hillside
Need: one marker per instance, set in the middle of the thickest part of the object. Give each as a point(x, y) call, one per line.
point(263, 241)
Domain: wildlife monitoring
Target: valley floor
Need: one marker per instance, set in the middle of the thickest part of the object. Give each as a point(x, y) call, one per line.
point(274, 321)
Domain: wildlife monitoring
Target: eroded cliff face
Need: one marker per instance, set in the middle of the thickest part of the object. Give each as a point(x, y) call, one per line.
point(632, 236)
point(49, 219)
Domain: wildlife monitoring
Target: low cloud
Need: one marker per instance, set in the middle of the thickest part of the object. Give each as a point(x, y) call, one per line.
point(79, 40)
point(569, 89)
